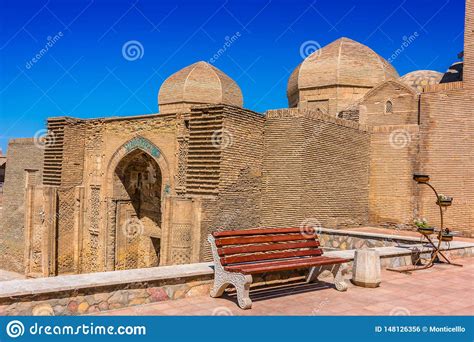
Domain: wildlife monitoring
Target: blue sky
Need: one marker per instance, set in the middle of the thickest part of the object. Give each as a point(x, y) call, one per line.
point(84, 72)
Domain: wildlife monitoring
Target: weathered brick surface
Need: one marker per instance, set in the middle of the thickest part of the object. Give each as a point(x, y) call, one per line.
point(336, 76)
point(469, 45)
point(403, 104)
point(419, 79)
point(446, 154)
point(200, 82)
point(317, 173)
point(393, 159)
point(3, 160)
point(238, 204)
point(22, 155)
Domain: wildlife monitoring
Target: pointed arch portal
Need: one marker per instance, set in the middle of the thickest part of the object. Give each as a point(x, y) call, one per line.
point(138, 181)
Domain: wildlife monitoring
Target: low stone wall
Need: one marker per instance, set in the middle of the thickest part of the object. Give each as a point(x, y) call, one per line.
point(90, 293)
point(89, 301)
point(332, 239)
point(347, 240)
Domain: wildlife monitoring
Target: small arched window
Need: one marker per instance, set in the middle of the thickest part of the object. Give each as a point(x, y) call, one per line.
point(388, 107)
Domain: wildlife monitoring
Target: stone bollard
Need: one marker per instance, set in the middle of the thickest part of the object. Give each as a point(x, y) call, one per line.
point(366, 269)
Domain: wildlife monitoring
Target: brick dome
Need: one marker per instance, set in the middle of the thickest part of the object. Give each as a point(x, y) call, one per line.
point(420, 78)
point(344, 62)
point(199, 83)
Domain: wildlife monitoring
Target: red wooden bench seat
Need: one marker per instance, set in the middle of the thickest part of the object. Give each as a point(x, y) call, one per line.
point(240, 253)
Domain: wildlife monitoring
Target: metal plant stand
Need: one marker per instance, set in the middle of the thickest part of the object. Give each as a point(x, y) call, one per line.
point(443, 234)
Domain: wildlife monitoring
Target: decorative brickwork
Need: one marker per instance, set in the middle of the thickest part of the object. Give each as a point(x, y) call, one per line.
point(203, 157)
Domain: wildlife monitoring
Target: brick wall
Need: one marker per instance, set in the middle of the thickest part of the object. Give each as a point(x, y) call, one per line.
point(315, 170)
point(393, 159)
point(404, 105)
point(331, 100)
point(22, 155)
point(446, 154)
point(469, 45)
point(73, 154)
point(2, 180)
point(238, 204)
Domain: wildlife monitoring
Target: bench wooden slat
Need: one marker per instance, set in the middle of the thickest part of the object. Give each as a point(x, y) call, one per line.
point(256, 231)
point(259, 239)
point(285, 265)
point(264, 248)
point(270, 256)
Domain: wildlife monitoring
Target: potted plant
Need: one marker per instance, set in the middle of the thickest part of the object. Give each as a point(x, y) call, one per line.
point(444, 201)
point(423, 226)
point(446, 235)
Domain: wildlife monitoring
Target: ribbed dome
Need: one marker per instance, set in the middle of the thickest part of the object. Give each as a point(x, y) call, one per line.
point(343, 62)
point(420, 78)
point(199, 83)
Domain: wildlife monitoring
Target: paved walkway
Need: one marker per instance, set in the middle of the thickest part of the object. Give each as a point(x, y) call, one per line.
point(441, 290)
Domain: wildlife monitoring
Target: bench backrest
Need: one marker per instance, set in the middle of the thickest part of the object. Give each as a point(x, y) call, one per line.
point(265, 244)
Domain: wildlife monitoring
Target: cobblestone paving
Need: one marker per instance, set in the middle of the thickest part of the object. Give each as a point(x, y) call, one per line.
point(441, 290)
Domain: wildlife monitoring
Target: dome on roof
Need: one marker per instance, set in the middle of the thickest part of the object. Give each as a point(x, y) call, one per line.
point(199, 83)
point(420, 78)
point(454, 73)
point(343, 62)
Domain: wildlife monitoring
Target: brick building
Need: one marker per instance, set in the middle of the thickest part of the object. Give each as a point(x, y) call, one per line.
point(3, 162)
point(117, 193)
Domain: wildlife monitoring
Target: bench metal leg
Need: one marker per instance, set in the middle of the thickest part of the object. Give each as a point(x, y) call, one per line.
point(218, 288)
point(223, 278)
point(243, 288)
point(241, 282)
point(336, 271)
point(339, 281)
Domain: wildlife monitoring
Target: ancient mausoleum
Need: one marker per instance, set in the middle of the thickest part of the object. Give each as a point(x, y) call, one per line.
point(129, 192)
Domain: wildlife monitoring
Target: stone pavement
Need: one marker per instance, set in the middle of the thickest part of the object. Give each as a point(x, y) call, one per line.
point(441, 290)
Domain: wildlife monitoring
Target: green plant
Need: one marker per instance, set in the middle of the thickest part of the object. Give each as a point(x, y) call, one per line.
point(443, 198)
point(421, 223)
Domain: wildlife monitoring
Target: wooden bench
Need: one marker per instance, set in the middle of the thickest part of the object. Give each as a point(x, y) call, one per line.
point(240, 253)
